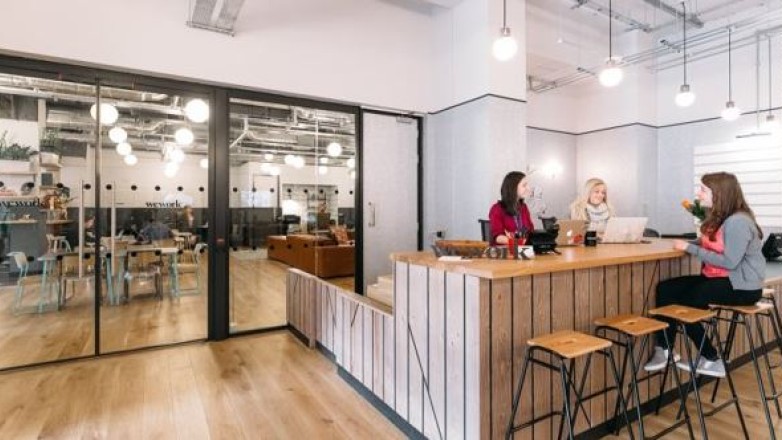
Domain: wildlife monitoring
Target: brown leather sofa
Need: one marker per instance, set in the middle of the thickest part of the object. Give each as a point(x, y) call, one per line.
point(320, 256)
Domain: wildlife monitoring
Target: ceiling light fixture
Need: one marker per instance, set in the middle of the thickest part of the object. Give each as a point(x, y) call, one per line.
point(204, 163)
point(118, 134)
point(334, 149)
point(124, 148)
point(184, 136)
point(685, 97)
point(298, 162)
point(130, 159)
point(324, 160)
point(505, 46)
point(771, 124)
point(351, 163)
point(108, 113)
point(289, 159)
point(268, 156)
point(612, 74)
point(730, 112)
point(197, 110)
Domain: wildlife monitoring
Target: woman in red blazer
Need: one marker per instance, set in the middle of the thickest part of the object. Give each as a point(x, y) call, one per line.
point(510, 214)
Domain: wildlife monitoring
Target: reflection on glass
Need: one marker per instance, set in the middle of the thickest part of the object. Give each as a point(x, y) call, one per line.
point(46, 266)
point(292, 204)
point(154, 199)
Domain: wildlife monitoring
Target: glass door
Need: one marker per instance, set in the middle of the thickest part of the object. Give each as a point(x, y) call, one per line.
point(292, 176)
point(47, 140)
point(154, 173)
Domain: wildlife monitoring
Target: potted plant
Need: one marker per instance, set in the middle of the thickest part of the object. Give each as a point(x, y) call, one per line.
point(50, 147)
point(14, 157)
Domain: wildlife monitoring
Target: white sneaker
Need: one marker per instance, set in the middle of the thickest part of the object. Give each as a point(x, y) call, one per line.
point(706, 367)
point(659, 359)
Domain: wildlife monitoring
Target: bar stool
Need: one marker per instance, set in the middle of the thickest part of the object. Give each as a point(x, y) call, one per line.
point(624, 331)
point(565, 347)
point(681, 316)
point(743, 315)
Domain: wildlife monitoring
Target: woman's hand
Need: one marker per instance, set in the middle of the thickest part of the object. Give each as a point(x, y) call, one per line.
point(680, 245)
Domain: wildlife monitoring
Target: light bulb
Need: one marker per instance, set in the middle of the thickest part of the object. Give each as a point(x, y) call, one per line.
point(204, 163)
point(108, 113)
point(612, 74)
point(322, 170)
point(118, 134)
point(130, 159)
point(334, 149)
point(124, 148)
point(289, 159)
point(771, 123)
point(685, 97)
point(731, 112)
point(504, 47)
point(170, 169)
point(197, 110)
point(324, 160)
point(177, 156)
point(268, 156)
point(351, 163)
point(274, 171)
point(184, 136)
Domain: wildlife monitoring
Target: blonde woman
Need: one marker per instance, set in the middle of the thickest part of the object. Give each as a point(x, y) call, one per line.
point(592, 205)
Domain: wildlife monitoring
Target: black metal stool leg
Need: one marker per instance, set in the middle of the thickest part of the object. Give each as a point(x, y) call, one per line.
point(728, 349)
point(769, 374)
point(693, 380)
point(634, 386)
point(566, 398)
point(728, 376)
point(578, 390)
point(611, 361)
point(517, 396)
point(756, 368)
point(682, 394)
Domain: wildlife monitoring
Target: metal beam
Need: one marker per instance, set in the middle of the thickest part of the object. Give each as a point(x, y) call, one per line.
point(665, 7)
point(603, 10)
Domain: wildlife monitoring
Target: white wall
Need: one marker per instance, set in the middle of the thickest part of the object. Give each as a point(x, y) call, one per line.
point(366, 51)
point(25, 133)
point(558, 191)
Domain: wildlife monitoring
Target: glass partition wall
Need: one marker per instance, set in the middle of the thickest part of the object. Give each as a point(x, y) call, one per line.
point(292, 186)
point(148, 258)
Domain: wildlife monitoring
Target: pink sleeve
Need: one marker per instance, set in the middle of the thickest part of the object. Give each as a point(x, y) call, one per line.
point(495, 221)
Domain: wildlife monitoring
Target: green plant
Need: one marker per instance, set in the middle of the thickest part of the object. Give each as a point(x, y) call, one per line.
point(50, 142)
point(695, 208)
point(13, 151)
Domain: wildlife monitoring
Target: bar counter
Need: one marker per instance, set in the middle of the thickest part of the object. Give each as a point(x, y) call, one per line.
point(444, 360)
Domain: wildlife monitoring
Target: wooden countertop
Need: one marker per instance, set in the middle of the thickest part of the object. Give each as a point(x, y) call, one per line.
point(572, 258)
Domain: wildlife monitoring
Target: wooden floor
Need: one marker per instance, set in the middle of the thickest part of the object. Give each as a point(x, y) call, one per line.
point(725, 425)
point(265, 386)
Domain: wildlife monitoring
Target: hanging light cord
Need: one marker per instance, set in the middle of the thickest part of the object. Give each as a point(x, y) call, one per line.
point(770, 82)
point(504, 14)
point(610, 30)
point(684, 32)
point(730, 67)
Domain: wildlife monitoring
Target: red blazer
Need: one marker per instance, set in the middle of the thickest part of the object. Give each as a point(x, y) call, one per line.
point(500, 221)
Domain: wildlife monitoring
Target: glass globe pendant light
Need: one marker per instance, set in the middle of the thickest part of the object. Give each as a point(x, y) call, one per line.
point(504, 47)
point(685, 97)
point(612, 74)
point(730, 112)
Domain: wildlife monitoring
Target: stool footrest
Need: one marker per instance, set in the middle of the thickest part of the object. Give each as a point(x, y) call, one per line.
point(719, 407)
point(676, 425)
point(536, 420)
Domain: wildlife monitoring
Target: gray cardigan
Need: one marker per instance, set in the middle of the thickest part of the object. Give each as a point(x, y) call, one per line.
point(742, 256)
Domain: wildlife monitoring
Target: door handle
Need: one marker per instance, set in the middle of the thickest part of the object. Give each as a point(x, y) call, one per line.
point(372, 218)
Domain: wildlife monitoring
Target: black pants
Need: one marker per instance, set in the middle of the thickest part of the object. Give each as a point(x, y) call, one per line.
point(698, 291)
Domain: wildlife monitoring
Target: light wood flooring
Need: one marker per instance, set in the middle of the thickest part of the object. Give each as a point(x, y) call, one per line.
point(266, 386)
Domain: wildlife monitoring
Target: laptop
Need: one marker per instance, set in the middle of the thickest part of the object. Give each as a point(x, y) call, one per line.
point(571, 232)
point(624, 230)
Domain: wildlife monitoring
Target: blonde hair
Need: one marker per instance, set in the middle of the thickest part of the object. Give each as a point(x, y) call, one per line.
point(578, 207)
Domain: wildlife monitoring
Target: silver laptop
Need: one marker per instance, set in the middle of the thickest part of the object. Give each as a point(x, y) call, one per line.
point(624, 230)
point(571, 232)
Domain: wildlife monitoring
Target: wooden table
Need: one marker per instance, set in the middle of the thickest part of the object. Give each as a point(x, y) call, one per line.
point(446, 358)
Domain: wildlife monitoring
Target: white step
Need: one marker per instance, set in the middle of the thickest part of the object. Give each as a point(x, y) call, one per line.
point(380, 294)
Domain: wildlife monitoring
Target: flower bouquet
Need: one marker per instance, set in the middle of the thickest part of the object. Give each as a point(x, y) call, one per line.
point(695, 208)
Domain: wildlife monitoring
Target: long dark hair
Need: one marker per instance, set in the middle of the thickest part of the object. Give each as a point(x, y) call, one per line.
point(727, 199)
point(509, 192)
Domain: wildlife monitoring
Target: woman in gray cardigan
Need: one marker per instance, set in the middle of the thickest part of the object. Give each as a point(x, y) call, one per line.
point(733, 269)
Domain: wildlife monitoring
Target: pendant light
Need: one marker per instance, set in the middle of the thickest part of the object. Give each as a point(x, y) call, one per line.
point(730, 112)
point(771, 124)
point(612, 74)
point(685, 97)
point(504, 47)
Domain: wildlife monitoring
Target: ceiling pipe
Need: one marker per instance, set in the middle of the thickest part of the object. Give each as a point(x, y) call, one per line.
point(693, 19)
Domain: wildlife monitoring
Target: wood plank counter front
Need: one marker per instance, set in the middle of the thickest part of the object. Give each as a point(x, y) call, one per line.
point(446, 359)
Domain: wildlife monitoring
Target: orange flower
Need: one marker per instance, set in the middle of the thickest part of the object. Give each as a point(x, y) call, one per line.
point(686, 204)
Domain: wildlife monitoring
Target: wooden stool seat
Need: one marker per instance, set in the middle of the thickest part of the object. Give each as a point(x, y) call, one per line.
point(768, 293)
point(688, 315)
point(633, 325)
point(569, 344)
point(746, 310)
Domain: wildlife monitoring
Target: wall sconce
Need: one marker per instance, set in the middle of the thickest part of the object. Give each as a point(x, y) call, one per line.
point(551, 169)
